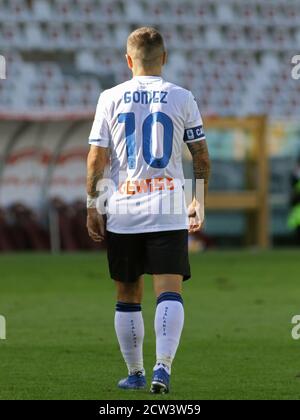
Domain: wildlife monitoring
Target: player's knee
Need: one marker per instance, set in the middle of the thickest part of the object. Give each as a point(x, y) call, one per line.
point(167, 283)
point(129, 292)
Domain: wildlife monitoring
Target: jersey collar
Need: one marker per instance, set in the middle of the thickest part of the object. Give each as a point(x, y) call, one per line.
point(147, 78)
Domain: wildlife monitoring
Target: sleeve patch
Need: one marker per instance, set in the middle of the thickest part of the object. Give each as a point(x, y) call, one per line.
point(194, 133)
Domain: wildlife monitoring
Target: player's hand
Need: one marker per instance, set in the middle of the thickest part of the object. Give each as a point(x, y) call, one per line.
point(196, 216)
point(95, 225)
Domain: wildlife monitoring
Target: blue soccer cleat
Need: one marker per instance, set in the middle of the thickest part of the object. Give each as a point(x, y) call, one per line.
point(160, 382)
point(136, 381)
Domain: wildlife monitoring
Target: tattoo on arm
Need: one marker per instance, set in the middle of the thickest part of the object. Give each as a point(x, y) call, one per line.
point(201, 161)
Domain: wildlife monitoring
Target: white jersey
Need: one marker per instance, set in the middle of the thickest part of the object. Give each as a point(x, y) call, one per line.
point(144, 122)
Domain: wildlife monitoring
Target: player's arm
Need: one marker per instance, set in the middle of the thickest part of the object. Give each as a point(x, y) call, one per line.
point(194, 137)
point(99, 140)
point(96, 162)
point(201, 165)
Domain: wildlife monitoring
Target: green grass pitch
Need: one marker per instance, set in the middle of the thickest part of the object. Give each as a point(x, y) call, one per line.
point(236, 343)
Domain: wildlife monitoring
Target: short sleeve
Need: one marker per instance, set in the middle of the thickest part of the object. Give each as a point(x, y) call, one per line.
point(100, 133)
point(193, 127)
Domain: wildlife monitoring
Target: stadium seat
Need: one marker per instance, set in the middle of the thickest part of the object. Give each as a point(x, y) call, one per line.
point(133, 11)
point(181, 13)
point(101, 37)
point(213, 38)
point(246, 12)
point(17, 10)
point(85, 62)
point(155, 12)
point(291, 13)
point(283, 38)
point(64, 10)
point(34, 36)
point(109, 11)
point(270, 13)
point(77, 35)
point(235, 38)
point(87, 10)
point(119, 36)
point(12, 35)
point(55, 36)
point(225, 13)
point(42, 10)
point(203, 12)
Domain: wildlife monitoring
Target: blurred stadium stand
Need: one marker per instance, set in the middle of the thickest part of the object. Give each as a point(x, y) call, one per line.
point(67, 51)
point(235, 56)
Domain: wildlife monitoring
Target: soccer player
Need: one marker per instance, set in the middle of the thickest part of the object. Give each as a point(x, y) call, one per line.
point(143, 124)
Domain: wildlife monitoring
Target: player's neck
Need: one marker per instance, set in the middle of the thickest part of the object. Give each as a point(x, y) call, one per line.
point(142, 72)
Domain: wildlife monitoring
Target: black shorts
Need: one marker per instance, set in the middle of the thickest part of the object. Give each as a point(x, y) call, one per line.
point(131, 255)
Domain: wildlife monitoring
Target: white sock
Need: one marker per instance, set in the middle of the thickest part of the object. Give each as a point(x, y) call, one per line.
point(169, 319)
point(129, 326)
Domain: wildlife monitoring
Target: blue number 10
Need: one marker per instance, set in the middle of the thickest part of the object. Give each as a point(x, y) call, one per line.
point(156, 117)
point(129, 120)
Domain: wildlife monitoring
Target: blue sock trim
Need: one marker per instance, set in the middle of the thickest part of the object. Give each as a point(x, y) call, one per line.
point(169, 296)
point(128, 307)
